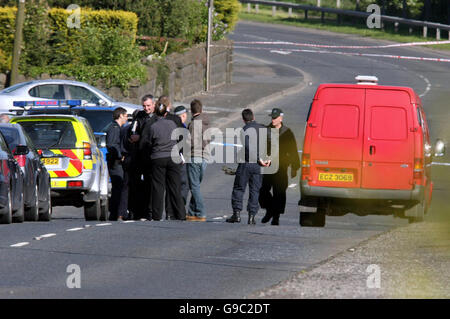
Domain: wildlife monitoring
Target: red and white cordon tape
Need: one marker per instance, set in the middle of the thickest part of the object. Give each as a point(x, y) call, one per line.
point(390, 56)
point(396, 45)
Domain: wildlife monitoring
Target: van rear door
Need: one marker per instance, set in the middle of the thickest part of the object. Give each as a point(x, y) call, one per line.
point(337, 133)
point(388, 153)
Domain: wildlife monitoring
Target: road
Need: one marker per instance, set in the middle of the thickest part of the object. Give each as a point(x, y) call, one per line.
point(172, 259)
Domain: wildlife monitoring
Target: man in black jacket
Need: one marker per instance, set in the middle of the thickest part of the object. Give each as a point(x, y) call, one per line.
point(249, 170)
point(114, 157)
point(139, 170)
point(275, 202)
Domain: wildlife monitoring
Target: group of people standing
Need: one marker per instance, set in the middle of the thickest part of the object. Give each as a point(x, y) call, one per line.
point(145, 178)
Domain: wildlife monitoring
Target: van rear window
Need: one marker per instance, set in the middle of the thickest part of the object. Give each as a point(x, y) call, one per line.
point(340, 121)
point(388, 123)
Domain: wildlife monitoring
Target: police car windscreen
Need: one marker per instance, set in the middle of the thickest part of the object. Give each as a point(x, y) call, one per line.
point(99, 120)
point(51, 134)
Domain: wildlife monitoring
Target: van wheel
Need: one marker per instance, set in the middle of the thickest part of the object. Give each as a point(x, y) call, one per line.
point(45, 213)
point(92, 210)
point(313, 219)
point(104, 216)
point(32, 212)
point(416, 213)
point(6, 212)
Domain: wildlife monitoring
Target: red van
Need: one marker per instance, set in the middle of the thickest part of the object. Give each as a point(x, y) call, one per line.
point(366, 150)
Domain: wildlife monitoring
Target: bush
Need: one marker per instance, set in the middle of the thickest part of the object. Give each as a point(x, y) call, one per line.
point(7, 27)
point(5, 62)
point(228, 12)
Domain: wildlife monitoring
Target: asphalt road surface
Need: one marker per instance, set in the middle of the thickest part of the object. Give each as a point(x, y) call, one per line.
point(172, 259)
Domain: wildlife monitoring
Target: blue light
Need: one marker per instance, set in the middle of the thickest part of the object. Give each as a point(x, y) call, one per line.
point(20, 103)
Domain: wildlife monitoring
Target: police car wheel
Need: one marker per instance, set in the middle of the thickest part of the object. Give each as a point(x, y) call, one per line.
point(104, 216)
point(92, 210)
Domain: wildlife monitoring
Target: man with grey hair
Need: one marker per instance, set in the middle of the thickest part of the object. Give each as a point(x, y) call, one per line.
point(4, 118)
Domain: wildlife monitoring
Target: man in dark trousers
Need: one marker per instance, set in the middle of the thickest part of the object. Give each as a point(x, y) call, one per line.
point(115, 158)
point(139, 172)
point(248, 171)
point(275, 202)
point(165, 172)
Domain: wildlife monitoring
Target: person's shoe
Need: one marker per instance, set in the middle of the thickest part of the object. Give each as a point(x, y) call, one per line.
point(235, 218)
point(251, 219)
point(195, 218)
point(266, 218)
point(275, 221)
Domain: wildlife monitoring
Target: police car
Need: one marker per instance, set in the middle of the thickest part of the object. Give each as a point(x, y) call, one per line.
point(71, 154)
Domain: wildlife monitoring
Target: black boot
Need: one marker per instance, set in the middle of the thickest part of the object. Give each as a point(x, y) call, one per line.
point(251, 219)
point(266, 217)
point(275, 220)
point(235, 218)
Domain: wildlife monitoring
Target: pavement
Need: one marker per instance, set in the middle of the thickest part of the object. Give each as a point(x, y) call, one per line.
point(411, 261)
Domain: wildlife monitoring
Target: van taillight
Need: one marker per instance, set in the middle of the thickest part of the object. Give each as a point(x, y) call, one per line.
point(21, 160)
point(306, 164)
point(418, 168)
point(87, 152)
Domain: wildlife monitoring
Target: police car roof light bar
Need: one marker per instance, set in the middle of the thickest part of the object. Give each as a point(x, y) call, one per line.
point(69, 103)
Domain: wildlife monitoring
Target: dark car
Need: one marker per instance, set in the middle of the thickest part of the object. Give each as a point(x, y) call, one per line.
point(37, 198)
point(11, 185)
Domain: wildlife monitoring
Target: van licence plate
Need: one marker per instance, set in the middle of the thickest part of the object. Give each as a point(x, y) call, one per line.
point(335, 177)
point(53, 161)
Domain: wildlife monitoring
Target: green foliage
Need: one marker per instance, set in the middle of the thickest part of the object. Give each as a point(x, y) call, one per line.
point(5, 62)
point(228, 12)
point(7, 27)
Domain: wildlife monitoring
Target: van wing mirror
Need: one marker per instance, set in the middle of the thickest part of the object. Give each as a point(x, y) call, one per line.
point(47, 153)
point(439, 148)
point(101, 139)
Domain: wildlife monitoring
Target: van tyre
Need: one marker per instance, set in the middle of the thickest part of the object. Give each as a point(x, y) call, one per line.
point(104, 216)
point(32, 212)
point(92, 210)
point(416, 213)
point(45, 213)
point(313, 219)
point(6, 212)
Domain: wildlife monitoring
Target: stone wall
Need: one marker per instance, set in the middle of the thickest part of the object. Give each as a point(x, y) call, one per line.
point(185, 73)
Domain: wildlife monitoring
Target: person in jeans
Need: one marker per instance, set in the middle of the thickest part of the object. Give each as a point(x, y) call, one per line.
point(165, 172)
point(199, 155)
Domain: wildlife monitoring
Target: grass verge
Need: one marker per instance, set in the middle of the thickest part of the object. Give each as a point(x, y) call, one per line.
point(330, 24)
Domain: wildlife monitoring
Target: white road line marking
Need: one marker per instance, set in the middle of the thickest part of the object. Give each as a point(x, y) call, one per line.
point(128, 221)
point(292, 185)
point(20, 244)
point(105, 224)
point(75, 229)
point(218, 218)
point(281, 52)
point(44, 236)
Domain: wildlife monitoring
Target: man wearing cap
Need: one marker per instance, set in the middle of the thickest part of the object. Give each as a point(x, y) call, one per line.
point(275, 202)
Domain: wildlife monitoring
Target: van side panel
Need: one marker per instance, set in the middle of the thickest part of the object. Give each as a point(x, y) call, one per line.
point(388, 151)
point(337, 131)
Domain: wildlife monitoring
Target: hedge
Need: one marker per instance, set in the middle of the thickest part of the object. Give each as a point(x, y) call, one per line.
point(7, 27)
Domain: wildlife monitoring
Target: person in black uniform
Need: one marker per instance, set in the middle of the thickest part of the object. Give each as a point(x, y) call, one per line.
point(139, 171)
point(275, 202)
point(165, 172)
point(248, 172)
point(115, 158)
